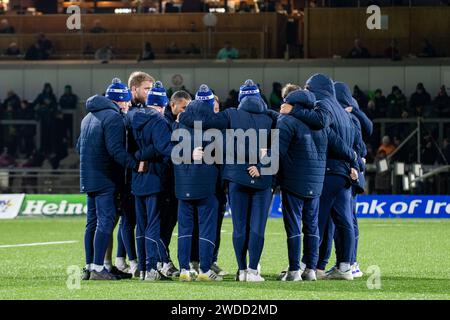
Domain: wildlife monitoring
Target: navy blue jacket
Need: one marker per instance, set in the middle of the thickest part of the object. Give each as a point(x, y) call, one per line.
point(168, 180)
point(329, 111)
point(303, 151)
point(151, 131)
point(251, 114)
point(195, 180)
point(101, 146)
point(366, 123)
point(344, 97)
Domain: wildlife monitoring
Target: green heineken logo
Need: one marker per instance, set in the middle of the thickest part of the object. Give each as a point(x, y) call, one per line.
point(50, 205)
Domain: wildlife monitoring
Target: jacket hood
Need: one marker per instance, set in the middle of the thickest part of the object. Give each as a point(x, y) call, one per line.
point(142, 116)
point(355, 103)
point(344, 95)
point(199, 109)
point(321, 85)
point(303, 98)
point(253, 104)
point(97, 103)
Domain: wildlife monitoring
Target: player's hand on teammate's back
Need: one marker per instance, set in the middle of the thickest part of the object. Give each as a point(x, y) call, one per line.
point(286, 108)
point(253, 171)
point(197, 154)
point(354, 174)
point(143, 166)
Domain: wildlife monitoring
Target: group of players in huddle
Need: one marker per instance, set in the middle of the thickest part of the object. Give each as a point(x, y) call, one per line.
point(129, 172)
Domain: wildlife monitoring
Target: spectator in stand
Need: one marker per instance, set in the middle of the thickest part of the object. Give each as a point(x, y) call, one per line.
point(104, 54)
point(25, 112)
point(243, 7)
point(191, 6)
point(371, 110)
point(358, 51)
point(45, 106)
point(5, 27)
point(97, 28)
point(68, 100)
point(173, 48)
point(370, 156)
point(381, 103)
point(60, 141)
point(276, 99)
point(193, 49)
point(46, 46)
point(35, 160)
point(147, 53)
point(441, 103)
point(386, 146)
point(34, 52)
point(7, 114)
point(228, 52)
point(430, 152)
point(6, 159)
point(12, 50)
point(392, 52)
point(396, 103)
point(170, 7)
point(445, 157)
point(382, 179)
point(12, 100)
point(360, 96)
point(428, 50)
point(88, 49)
point(403, 155)
point(26, 132)
point(419, 101)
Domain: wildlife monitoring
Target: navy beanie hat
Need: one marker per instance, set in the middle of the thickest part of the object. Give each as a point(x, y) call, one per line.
point(157, 95)
point(249, 88)
point(117, 91)
point(205, 94)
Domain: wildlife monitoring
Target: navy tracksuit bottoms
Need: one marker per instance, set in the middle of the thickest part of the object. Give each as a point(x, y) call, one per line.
point(207, 223)
point(329, 235)
point(222, 201)
point(249, 212)
point(295, 211)
point(101, 215)
point(125, 235)
point(169, 217)
point(335, 208)
point(148, 227)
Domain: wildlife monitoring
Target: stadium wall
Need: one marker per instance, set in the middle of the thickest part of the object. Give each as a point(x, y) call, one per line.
point(88, 78)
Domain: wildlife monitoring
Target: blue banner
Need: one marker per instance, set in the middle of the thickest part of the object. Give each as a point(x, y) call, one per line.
point(388, 206)
point(403, 206)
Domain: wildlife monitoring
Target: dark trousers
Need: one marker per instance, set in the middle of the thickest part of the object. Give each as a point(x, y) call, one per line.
point(207, 224)
point(148, 219)
point(101, 214)
point(295, 211)
point(249, 212)
point(335, 204)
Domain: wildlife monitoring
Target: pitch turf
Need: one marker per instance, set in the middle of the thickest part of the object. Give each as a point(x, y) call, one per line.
point(413, 256)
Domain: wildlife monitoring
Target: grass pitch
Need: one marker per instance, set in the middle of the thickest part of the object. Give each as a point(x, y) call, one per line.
point(412, 255)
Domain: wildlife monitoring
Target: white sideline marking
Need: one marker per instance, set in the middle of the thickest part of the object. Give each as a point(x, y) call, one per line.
point(36, 244)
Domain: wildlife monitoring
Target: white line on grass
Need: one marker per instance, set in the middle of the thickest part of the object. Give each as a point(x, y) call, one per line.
point(36, 244)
